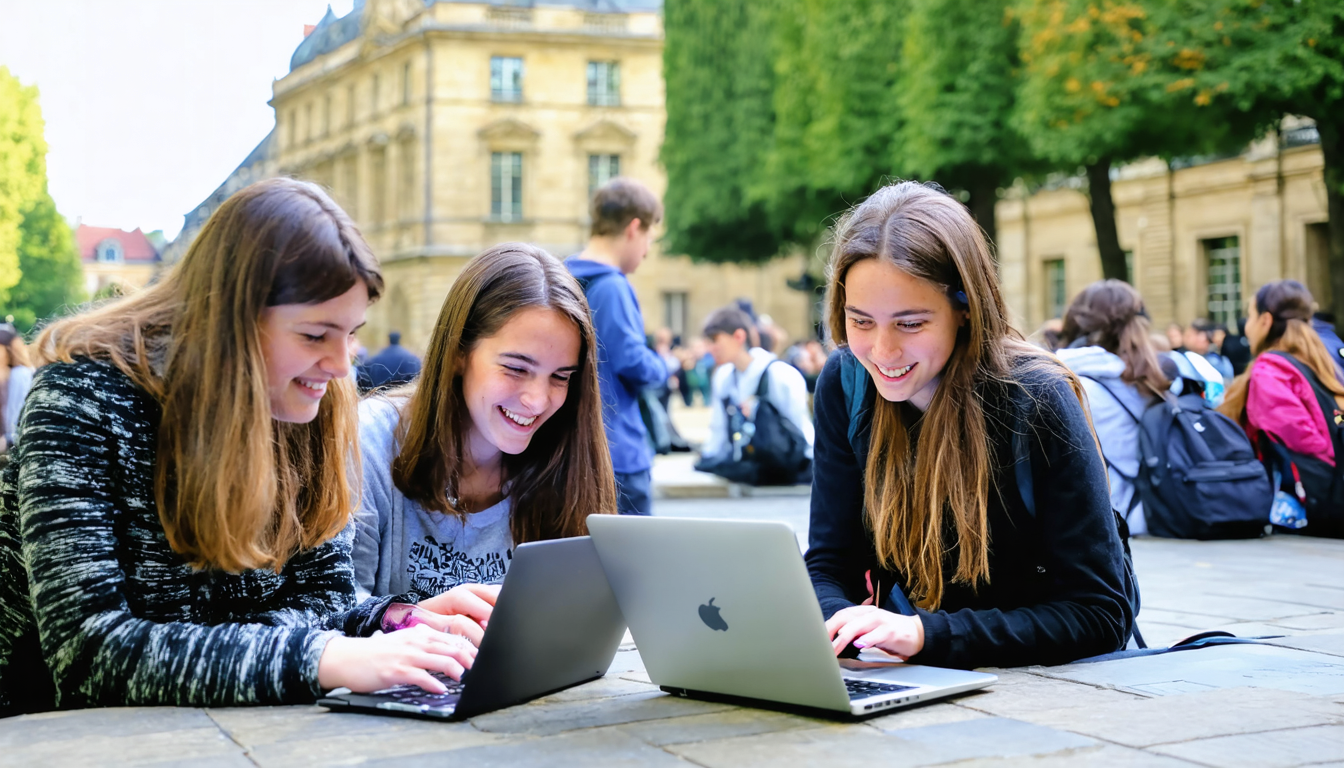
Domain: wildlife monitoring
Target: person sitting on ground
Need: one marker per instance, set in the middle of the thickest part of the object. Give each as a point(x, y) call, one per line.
point(1176, 337)
point(1198, 340)
point(735, 384)
point(923, 494)
point(1107, 344)
point(16, 378)
point(173, 524)
point(1273, 396)
point(500, 442)
point(393, 366)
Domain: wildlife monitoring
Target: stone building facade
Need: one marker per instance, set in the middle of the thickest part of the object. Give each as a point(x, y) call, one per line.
point(447, 127)
point(1200, 237)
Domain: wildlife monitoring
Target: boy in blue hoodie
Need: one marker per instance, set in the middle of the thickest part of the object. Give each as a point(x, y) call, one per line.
point(623, 213)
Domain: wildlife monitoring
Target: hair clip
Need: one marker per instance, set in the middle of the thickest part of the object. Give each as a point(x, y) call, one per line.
point(960, 296)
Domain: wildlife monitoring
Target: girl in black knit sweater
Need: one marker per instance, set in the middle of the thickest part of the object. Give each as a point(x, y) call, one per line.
point(173, 523)
point(955, 465)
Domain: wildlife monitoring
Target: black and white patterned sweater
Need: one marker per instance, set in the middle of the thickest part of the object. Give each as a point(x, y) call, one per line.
point(97, 610)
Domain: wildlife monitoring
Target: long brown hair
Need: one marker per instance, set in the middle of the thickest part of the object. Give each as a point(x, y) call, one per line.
point(907, 494)
point(1290, 305)
point(1110, 314)
point(565, 473)
point(235, 489)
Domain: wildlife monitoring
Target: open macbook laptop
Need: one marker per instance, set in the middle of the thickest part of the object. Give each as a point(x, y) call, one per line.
point(556, 624)
point(725, 608)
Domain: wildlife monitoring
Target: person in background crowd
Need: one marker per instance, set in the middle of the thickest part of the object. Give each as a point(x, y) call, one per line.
point(1176, 337)
point(174, 521)
point(1106, 337)
point(1047, 336)
point(704, 368)
point(809, 358)
point(737, 379)
point(922, 493)
point(623, 213)
point(1324, 325)
point(393, 366)
point(499, 444)
point(16, 378)
point(1237, 349)
point(1273, 396)
point(662, 344)
point(1198, 339)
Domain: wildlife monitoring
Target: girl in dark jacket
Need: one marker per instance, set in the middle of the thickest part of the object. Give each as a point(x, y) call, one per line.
point(955, 464)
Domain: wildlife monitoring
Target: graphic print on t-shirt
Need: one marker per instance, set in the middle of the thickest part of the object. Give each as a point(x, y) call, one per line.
point(438, 567)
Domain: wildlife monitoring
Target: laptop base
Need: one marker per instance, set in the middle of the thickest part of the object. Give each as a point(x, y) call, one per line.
point(901, 703)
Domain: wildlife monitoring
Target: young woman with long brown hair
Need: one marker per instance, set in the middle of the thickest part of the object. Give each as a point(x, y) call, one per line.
point(917, 484)
point(1106, 342)
point(1274, 398)
point(174, 522)
point(499, 443)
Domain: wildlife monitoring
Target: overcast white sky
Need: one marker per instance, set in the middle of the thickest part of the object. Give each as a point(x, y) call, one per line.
point(149, 104)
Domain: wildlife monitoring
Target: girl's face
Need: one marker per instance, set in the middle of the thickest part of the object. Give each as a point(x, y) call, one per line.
point(305, 346)
point(517, 379)
point(901, 328)
point(1257, 323)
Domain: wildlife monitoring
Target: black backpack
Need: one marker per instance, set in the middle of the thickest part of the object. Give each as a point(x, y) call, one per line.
point(854, 380)
point(1199, 477)
point(1322, 491)
point(775, 452)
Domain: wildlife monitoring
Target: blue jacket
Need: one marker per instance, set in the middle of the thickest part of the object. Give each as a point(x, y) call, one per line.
point(1332, 343)
point(625, 363)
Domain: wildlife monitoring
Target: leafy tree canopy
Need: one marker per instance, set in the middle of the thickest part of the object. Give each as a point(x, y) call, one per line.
point(23, 167)
point(49, 261)
point(719, 77)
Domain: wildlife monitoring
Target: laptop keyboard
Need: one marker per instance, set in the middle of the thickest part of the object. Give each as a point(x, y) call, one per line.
point(416, 696)
point(862, 689)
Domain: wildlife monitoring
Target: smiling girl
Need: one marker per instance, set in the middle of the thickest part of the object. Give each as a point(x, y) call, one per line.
point(173, 525)
point(498, 444)
point(916, 481)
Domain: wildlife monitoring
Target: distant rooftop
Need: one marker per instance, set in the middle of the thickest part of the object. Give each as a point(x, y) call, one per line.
point(333, 32)
point(117, 244)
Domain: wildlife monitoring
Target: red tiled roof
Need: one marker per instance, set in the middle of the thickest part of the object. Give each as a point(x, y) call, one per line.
point(134, 245)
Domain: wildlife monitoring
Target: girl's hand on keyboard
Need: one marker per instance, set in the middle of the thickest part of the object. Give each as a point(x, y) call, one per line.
point(401, 616)
point(868, 627)
point(365, 664)
point(474, 601)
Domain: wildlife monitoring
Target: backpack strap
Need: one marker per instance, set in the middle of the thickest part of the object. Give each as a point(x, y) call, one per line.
point(1133, 502)
point(854, 381)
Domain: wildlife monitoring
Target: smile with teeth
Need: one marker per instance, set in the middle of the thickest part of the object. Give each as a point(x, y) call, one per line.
point(522, 421)
point(318, 388)
point(894, 373)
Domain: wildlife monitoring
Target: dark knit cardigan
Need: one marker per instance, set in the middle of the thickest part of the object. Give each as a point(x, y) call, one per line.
point(97, 610)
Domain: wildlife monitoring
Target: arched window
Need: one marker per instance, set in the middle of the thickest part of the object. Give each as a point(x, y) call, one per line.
point(108, 251)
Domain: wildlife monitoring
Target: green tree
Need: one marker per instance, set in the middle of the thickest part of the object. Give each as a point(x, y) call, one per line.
point(1259, 60)
point(49, 261)
point(1097, 90)
point(23, 167)
point(836, 67)
point(956, 95)
point(718, 70)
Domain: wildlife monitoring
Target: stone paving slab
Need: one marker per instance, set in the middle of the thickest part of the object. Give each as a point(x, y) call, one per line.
point(1223, 666)
point(603, 746)
point(1202, 715)
point(1279, 749)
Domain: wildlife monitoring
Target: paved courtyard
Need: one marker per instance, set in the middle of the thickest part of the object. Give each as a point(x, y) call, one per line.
point(1259, 705)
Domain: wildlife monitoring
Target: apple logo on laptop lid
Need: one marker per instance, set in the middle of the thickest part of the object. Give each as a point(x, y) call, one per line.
point(709, 613)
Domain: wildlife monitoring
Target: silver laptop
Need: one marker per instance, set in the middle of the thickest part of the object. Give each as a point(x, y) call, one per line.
point(722, 608)
point(556, 624)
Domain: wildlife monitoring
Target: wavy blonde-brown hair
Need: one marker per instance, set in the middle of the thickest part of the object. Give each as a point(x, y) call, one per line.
point(565, 473)
point(236, 489)
point(1290, 305)
point(908, 494)
point(1110, 314)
